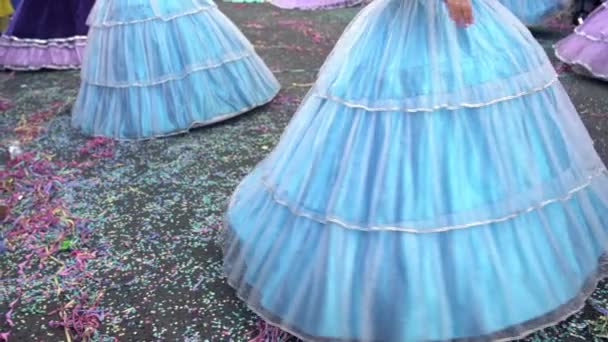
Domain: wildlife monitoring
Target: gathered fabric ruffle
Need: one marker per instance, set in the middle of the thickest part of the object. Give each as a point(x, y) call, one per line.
point(199, 41)
point(194, 68)
point(497, 281)
point(537, 11)
point(413, 73)
point(427, 198)
point(128, 12)
point(587, 48)
point(36, 54)
point(414, 177)
point(42, 35)
point(200, 98)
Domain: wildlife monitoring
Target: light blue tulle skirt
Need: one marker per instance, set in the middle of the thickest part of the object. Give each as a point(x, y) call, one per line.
point(431, 187)
point(534, 12)
point(155, 68)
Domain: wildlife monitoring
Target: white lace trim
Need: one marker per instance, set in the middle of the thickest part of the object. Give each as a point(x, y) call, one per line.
point(172, 77)
point(435, 107)
point(577, 62)
point(43, 43)
point(40, 67)
point(579, 32)
point(349, 225)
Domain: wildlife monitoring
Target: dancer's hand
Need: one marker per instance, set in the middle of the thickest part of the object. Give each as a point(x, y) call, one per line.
point(461, 11)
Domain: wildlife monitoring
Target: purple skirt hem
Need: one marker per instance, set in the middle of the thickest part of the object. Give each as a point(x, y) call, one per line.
point(587, 48)
point(36, 54)
point(587, 56)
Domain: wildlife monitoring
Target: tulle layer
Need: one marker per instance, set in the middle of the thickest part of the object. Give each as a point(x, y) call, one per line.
point(458, 67)
point(162, 51)
point(587, 47)
point(125, 12)
point(497, 281)
point(155, 78)
point(536, 11)
point(429, 172)
point(34, 54)
point(427, 199)
point(317, 4)
point(200, 98)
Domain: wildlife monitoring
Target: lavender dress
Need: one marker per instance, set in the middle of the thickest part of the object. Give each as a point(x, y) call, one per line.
point(44, 35)
point(587, 48)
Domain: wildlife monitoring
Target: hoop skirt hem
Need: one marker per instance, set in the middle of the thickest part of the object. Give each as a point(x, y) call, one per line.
point(209, 73)
point(35, 54)
point(190, 123)
point(360, 280)
point(587, 48)
point(252, 298)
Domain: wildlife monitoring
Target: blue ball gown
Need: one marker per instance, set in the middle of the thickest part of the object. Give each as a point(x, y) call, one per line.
point(436, 184)
point(156, 67)
point(533, 12)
